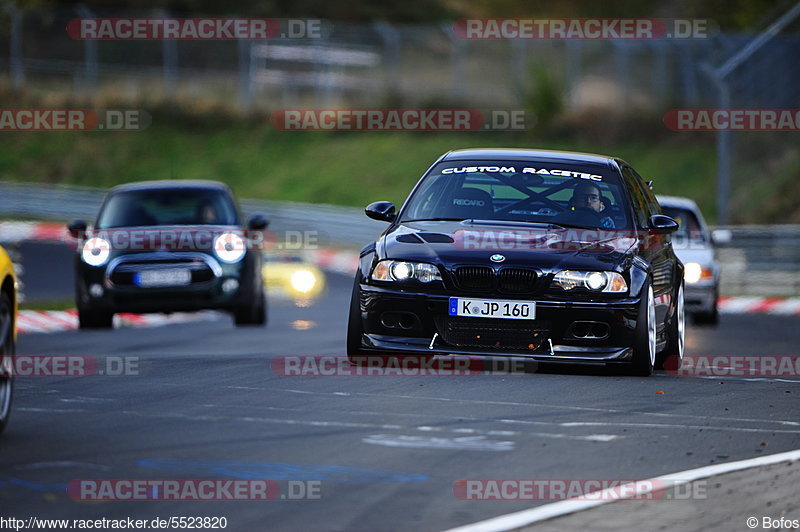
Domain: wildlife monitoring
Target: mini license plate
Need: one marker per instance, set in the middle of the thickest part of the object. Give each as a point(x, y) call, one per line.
point(170, 277)
point(492, 308)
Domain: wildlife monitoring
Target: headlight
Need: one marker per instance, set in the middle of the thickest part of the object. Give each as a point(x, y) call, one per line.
point(229, 247)
point(608, 282)
point(694, 273)
point(96, 251)
point(396, 270)
point(303, 281)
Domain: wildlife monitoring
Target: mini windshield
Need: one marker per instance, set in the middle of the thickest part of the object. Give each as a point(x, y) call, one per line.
point(179, 206)
point(534, 192)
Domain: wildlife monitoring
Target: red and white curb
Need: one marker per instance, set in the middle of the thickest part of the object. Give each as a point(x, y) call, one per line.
point(48, 321)
point(760, 305)
point(12, 232)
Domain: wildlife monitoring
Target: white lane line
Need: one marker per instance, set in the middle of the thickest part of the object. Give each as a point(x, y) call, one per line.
point(516, 520)
point(465, 443)
point(85, 400)
point(461, 419)
point(672, 426)
point(52, 410)
point(61, 463)
point(543, 405)
point(752, 379)
point(253, 419)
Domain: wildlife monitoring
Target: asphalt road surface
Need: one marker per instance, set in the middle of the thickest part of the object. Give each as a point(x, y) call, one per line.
point(202, 401)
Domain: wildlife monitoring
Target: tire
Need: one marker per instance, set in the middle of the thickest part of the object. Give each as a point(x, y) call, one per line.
point(672, 355)
point(7, 348)
point(254, 313)
point(644, 348)
point(357, 355)
point(95, 319)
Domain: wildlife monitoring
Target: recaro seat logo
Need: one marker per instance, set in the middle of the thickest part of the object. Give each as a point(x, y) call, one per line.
point(469, 202)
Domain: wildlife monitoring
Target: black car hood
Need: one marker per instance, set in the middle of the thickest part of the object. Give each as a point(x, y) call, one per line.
point(473, 242)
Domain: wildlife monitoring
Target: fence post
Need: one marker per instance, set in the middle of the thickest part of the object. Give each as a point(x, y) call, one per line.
point(244, 47)
point(15, 47)
point(459, 61)
point(391, 41)
point(89, 54)
point(574, 51)
point(169, 56)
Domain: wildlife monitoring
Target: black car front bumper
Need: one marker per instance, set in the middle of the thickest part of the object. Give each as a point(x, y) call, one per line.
point(565, 331)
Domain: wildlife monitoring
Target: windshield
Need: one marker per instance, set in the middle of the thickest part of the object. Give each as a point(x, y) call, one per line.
point(180, 206)
point(688, 225)
point(539, 192)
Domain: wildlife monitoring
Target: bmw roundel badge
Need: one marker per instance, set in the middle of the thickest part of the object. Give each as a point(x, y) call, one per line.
point(497, 258)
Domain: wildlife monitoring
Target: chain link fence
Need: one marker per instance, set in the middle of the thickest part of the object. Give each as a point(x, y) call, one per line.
point(422, 64)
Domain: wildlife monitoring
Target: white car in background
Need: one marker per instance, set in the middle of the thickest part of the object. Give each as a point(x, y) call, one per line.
point(694, 245)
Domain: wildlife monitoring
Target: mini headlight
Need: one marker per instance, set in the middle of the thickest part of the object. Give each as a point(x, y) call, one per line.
point(607, 282)
point(96, 251)
point(397, 270)
point(229, 247)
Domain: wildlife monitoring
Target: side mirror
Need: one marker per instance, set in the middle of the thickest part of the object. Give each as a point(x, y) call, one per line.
point(76, 228)
point(721, 236)
point(257, 222)
point(663, 224)
point(382, 211)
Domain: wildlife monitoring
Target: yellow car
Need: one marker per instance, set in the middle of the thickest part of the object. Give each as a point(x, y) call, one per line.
point(292, 276)
point(8, 334)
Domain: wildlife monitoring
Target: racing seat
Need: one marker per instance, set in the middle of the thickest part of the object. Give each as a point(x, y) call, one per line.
point(469, 203)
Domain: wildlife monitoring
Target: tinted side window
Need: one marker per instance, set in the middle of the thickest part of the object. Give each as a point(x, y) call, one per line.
point(652, 203)
point(638, 198)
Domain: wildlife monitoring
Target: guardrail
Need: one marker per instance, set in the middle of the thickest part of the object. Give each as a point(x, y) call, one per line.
point(332, 225)
point(760, 260)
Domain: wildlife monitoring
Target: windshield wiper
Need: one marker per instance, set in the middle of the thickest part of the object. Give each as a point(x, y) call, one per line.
point(436, 220)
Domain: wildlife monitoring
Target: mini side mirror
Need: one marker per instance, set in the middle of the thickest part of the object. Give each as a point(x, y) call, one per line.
point(381, 210)
point(77, 228)
point(663, 224)
point(257, 222)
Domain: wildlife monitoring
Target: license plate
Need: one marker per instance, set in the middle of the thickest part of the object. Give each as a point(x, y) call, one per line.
point(171, 277)
point(493, 308)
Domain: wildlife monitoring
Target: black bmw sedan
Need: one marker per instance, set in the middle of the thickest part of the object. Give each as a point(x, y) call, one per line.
point(164, 246)
point(551, 256)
